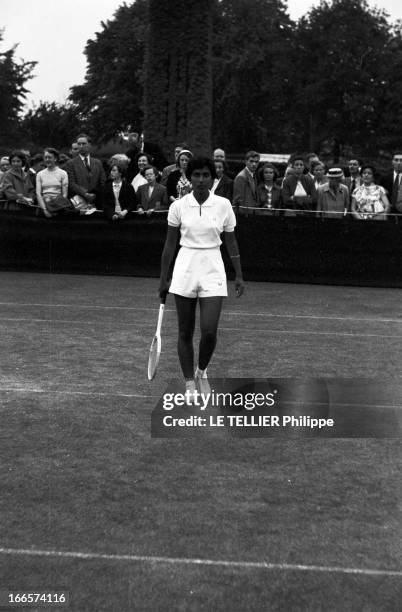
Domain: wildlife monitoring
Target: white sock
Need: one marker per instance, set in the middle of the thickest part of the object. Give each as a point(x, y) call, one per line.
point(190, 385)
point(201, 373)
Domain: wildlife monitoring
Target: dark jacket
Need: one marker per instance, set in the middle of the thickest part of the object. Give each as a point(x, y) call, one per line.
point(127, 198)
point(299, 203)
point(158, 200)
point(262, 194)
point(225, 188)
point(15, 183)
point(81, 180)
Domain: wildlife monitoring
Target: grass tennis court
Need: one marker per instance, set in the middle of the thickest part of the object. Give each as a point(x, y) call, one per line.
point(91, 504)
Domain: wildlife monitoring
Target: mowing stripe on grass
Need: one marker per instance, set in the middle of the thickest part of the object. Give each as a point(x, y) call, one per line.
point(230, 329)
point(225, 312)
point(32, 552)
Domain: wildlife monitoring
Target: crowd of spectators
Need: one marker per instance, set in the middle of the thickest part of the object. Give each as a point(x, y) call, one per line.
point(140, 180)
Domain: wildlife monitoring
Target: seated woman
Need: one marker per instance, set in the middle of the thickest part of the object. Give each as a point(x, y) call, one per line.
point(51, 183)
point(298, 190)
point(268, 191)
point(17, 186)
point(118, 195)
point(178, 184)
point(222, 185)
point(369, 201)
point(142, 160)
point(153, 195)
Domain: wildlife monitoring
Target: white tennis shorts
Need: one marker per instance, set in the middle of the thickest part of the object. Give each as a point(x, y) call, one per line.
point(199, 273)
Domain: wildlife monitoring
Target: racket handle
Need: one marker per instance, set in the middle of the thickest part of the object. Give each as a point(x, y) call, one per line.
point(163, 298)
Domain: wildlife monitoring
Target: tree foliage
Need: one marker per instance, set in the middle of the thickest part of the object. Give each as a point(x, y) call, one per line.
point(51, 124)
point(343, 56)
point(112, 96)
point(178, 91)
point(13, 77)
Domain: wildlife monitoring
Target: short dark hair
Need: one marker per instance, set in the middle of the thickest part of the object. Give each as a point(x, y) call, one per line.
point(252, 154)
point(150, 167)
point(368, 167)
point(297, 157)
point(83, 136)
point(18, 153)
point(224, 164)
point(316, 163)
point(260, 171)
point(199, 162)
point(52, 151)
point(150, 159)
point(121, 169)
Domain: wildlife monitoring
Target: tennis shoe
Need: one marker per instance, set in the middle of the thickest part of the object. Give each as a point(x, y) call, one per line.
point(202, 383)
point(191, 393)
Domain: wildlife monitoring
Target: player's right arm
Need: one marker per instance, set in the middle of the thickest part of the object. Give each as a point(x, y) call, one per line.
point(167, 257)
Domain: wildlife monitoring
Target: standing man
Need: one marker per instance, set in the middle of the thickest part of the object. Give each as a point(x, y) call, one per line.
point(219, 155)
point(245, 185)
point(392, 182)
point(354, 180)
point(86, 176)
point(74, 151)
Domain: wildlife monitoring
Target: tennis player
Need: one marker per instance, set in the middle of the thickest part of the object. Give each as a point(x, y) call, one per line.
point(199, 274)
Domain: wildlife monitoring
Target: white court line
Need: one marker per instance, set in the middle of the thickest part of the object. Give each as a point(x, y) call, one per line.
point(151, 396)
point(263, 565)
point(236, 329)
point(85, 393)
point(229, 312)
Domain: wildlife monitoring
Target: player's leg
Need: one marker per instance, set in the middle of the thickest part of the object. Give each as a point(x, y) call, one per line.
point(185, 308)
point(210, 310)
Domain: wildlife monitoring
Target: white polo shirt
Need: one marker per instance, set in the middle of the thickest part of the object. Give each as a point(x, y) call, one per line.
point(202, 224)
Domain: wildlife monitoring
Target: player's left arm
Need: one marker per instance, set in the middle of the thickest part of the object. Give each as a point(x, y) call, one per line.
point(233, 250)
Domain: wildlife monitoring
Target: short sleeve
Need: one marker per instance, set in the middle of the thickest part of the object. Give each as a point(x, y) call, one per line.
point(174, 217)
point(381, 190)
point(229, 222)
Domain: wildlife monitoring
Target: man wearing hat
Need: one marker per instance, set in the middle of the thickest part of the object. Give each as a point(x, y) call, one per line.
point(333, 197)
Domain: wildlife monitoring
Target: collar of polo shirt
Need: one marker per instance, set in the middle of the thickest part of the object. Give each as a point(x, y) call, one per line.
point(208, 201)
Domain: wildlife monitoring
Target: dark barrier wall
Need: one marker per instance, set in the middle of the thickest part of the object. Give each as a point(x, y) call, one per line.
point(296, 249)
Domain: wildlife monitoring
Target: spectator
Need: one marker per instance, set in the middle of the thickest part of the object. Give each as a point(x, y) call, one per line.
point(118, 195)
point(245, 185)
point(51, 183)
point(17, 185)
point(74, 150)
point(219, 155)
point(4, 167)
point(142, 160)
point(393, 184)
point(354, 179)
point(5, 164)
point(86, 176)
point(178, 184)
point(153, 195)
point(168, 169)
point(138, 145)
point(222, 185)
point(268, 191)
point(369, 201)
point(333, 196)
point(121, 159)
point(318, 171)
point(310, 159)
point(298, 190)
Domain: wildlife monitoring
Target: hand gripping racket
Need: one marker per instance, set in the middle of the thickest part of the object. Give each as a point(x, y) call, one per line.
point(156, 344)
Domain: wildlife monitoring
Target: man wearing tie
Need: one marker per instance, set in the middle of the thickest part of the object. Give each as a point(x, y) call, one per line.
point(86, 176)
point(354, 180)
point(392, 182)
point(245, 185)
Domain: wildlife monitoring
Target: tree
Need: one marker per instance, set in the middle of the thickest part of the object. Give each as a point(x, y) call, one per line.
point(178, 85)
point(13, 77)
point(341, 54)
point(250, 67)
point(51, 124)
point(112, 96)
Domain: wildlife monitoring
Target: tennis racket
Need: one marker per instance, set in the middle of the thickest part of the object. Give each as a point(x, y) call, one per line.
point(156, 344)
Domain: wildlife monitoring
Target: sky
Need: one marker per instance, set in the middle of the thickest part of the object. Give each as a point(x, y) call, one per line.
point(54, 34)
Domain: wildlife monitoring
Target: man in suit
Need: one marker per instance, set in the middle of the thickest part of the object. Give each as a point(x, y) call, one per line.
point(354, 179)
point(86, 176)
point(152, 196)
point(138, 145)
point(245, 185)
point(392, 182)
